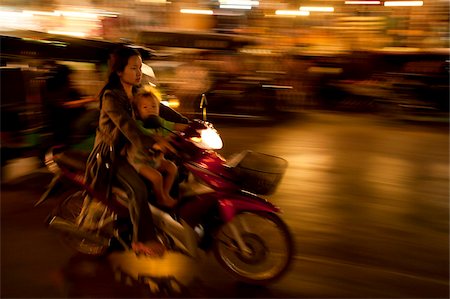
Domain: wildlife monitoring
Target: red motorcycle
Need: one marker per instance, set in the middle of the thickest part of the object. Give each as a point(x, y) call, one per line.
point(220, 210)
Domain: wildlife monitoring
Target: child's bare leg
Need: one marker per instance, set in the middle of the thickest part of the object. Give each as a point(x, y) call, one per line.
point(156, 178)
point(170, 170)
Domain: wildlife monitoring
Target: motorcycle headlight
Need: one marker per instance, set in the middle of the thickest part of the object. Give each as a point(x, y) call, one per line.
point(209, 139)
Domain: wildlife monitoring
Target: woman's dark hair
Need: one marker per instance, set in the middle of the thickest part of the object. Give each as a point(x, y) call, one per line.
point(118, 60)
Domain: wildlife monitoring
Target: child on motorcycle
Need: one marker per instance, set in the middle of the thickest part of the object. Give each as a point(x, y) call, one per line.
point(154, 167)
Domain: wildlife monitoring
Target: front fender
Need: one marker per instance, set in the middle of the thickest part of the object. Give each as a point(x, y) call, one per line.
point(230, 206)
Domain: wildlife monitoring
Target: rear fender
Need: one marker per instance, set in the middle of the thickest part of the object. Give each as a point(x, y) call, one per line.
point(230, 206)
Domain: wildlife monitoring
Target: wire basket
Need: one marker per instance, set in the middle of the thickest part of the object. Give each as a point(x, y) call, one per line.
point(260, 173)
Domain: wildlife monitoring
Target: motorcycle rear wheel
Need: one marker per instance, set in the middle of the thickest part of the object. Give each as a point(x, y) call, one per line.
point(270, 244)
point(69, 210)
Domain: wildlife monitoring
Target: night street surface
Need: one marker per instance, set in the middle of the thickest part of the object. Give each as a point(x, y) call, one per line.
point(366, 199)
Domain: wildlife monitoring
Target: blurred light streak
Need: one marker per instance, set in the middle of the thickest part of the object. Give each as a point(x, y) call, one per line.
point(400, 49)
point(172, 103)
point(325, 70)
point(230, 6)
point(363, 2)
point(14, 14)
point(110, 14)
point(17, 20)
point(41, 13)
point(358, 19)
point(70, 33)
point(239, 2)
point(403, 3)
point(228, 13)
point(197, 11)
point(317, 8)
point(75, 14)
point(257, 51)
point(71, 14)
point(277, 86)
point(291, 13)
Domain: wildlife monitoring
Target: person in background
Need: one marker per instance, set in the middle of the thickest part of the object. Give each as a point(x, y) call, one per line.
point(159, 171)
point(116, 129)
point(57, 92)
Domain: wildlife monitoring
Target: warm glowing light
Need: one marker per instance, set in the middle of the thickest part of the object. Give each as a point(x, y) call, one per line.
point(40, 13)
point(70, 33)
point(400, 49)
point(240, 2)
point(325, 70)
point(110, 14)
point(197, 11)
point(363, 2)
point(231, 6)
point(317, 8)
point(257, 51)
point(14, 14)
point(211, 139)
point(291, 13)
point(70, 14)
point(403, 3)
point(76, 14)
point(172, 103)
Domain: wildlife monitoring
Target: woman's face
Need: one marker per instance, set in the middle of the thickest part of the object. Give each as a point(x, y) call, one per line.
point(132, 73)
point(147, 106)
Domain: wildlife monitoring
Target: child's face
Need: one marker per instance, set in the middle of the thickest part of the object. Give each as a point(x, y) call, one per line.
point(147, 106)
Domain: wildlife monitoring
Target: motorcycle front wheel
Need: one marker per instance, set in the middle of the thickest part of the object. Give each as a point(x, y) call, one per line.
point(69, 211)
point(269, 243)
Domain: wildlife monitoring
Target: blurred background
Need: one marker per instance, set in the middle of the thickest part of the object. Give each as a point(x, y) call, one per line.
point(354, 94)
point(250, 58)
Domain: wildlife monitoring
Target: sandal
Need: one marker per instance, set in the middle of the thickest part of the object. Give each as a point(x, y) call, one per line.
point(150, 248)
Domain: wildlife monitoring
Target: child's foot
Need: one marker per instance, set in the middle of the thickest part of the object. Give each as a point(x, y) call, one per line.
point(149, 248)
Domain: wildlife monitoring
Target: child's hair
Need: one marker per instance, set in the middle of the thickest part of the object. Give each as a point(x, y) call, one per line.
point(148, 90)
point(145, 91)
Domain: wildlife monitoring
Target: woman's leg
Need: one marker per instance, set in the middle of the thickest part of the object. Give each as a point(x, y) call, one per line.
point(129, 179)
point(144, 235)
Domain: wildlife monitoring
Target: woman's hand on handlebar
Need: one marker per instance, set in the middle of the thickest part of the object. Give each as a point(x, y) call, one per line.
point(197, 124)
point(194, 128)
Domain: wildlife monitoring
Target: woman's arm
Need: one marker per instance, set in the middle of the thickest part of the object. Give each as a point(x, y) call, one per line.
point(180, 127)
point(171, 115)
point(172, 126)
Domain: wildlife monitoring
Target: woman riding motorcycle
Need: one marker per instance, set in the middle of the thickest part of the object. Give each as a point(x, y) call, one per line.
point(116, 128)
